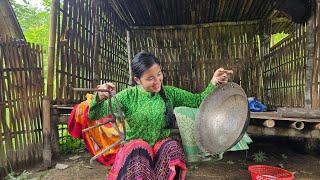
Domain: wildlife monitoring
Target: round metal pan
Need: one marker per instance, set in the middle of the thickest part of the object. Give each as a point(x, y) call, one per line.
point(222, 119)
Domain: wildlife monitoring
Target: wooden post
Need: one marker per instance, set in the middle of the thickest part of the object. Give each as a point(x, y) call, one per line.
point(96, 45)
point(129, 56)
point(265, 38)
point(310, 47)
point(47, 100)
point(315, 67)
point(55, 150)
point(46, 128)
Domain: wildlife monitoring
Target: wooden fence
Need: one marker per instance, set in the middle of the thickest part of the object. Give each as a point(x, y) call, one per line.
point(284, 71)
point(91, 48)
point(21, 92)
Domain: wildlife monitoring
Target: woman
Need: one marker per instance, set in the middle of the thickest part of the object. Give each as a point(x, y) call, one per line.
point(149, 153)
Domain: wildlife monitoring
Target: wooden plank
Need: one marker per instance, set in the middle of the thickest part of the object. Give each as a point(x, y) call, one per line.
point(298, 113)
point(273, 115)
point(47, 151)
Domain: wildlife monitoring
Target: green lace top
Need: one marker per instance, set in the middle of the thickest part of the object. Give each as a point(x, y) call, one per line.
point(145, 111)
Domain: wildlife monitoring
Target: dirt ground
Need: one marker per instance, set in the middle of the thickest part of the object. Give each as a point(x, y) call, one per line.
point(278, 152)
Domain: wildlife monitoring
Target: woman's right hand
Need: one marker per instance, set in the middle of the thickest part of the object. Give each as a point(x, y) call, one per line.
point(106, 86)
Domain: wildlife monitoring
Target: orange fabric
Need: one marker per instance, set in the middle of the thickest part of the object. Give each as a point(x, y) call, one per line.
point(96, 139)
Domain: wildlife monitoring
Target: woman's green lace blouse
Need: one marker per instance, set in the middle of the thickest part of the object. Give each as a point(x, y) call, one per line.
point(144, 111)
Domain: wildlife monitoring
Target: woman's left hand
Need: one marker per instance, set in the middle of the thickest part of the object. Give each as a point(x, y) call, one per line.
point(221, 76)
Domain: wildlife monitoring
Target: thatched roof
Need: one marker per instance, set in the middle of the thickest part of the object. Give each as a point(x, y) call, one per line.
point(8, 22)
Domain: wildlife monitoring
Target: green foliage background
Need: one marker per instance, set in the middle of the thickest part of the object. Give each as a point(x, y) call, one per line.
point(33, 21)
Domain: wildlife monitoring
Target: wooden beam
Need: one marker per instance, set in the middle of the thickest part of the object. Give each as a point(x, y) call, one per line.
point(298, 113)
point(280, 20)
point(191, 26)
point(214, 24)
point(275, 116)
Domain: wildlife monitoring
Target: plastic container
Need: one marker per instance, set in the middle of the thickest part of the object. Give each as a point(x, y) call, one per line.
point(264, 172)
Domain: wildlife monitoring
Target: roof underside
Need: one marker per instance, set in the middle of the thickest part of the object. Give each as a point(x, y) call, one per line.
point(9, 25)
point(186, 12)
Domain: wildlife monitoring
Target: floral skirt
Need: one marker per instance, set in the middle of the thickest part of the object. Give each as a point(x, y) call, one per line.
point(138, 160)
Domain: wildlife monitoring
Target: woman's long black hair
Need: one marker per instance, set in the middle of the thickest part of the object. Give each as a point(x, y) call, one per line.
point(141, 63)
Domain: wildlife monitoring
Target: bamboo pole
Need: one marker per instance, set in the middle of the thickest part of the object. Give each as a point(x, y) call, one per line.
point(317, 126)
point(51, 49)
point(129, 56)
point(299, 125)
point(269, 123)
point(191, 26)
point(96, 45)
point(3, 119)
point(47, 100)
point(206, 25)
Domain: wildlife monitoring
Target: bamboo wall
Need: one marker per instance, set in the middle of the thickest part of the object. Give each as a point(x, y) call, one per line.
point(284, 71)
point(190, 55)
point(21, 92)
point(91, 48)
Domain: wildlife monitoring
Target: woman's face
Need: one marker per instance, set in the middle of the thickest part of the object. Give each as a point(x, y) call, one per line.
point(151, 79)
